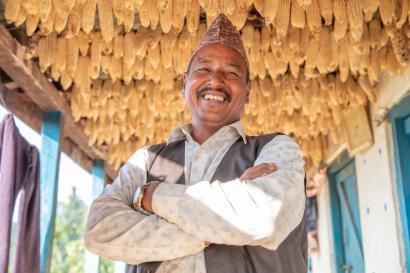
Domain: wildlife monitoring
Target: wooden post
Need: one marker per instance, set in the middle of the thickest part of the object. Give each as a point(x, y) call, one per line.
point(49, 168)
point(92, 262)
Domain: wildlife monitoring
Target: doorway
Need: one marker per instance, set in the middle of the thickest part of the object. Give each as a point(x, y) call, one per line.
point(400, 119)
point(345, 216)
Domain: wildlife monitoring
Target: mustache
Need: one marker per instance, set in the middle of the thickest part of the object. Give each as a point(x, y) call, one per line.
point(222, 90)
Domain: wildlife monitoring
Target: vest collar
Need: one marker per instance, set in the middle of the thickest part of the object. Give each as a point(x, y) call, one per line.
point(184, 132)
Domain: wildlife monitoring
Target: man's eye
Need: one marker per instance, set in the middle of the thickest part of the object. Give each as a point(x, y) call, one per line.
point(234, 74)
point(203, 69)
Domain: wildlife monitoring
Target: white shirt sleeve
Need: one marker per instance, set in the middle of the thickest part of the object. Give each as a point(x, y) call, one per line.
point(115, 230)
point(261, 212)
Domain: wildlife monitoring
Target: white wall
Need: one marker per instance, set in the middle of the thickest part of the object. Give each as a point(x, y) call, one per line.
point(380, 222)
point(377, 204)
point(322, 261)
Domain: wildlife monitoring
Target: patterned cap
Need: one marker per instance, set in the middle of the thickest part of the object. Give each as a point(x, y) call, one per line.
point(222, 31)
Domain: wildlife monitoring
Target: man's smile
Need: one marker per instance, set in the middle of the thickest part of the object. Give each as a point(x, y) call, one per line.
point(219, 95)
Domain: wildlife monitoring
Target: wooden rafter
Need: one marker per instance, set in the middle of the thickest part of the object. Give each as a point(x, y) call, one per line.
point(43, 93)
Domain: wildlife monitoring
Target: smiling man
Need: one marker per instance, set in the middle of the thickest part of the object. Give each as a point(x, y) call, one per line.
point(210, 199)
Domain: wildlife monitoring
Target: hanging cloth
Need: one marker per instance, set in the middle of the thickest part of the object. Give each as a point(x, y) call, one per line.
point(19, 172)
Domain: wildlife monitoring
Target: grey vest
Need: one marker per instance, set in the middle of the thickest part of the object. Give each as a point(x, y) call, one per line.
point(291, 255)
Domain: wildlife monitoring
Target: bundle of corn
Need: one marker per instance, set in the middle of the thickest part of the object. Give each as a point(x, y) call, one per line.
point(71, 16)
point(309, 60)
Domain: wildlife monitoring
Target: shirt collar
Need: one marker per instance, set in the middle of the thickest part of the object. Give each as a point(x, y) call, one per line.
point(184, 132)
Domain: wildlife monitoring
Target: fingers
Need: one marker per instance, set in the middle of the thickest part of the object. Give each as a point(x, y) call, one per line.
point(258, 171)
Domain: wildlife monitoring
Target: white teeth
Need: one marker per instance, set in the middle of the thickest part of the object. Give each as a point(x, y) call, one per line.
point(214, 97)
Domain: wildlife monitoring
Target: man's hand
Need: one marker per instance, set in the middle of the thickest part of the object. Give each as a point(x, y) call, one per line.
point(258, 171)
point(147, 200)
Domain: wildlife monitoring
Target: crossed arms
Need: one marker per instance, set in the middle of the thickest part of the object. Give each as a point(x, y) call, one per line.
point(259, 211)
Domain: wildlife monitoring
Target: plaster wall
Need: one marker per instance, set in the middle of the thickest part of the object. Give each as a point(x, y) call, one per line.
point(378, 205)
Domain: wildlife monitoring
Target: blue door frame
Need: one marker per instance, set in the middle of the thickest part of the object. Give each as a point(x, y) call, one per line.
point(399, 118)
point(335, 170)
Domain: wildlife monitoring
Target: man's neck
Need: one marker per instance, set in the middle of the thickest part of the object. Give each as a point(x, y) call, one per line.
point(201, 133)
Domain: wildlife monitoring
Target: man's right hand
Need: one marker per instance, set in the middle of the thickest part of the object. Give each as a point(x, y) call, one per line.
point(258, 171)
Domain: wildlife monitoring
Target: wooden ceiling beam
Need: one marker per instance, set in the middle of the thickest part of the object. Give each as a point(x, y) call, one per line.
point(43, 93)
point(22, 107)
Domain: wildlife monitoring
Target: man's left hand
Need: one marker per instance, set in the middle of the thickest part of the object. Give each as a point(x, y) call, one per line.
point(258, 171)
point(147, 199)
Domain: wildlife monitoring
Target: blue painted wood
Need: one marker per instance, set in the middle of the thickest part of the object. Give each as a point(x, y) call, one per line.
point(335, 217)
point(407, 126)
point(98, 177)
point(345, 218)
point(350, 218)
point(93, 262)
point(399, 117)
point(49, 168)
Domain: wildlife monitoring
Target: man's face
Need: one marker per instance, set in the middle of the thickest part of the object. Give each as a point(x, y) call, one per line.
point(215, 87)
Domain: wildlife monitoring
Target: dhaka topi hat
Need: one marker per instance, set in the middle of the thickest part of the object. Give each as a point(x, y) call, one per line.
point(222, 31)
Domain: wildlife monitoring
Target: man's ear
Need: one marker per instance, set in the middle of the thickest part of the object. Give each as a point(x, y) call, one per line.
point(184, 79)
point(248, 88)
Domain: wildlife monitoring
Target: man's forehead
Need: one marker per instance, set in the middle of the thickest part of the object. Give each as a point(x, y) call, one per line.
point(207, 60)
point(211, 54)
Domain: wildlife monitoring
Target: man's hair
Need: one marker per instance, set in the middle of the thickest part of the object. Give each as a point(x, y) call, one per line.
point(247, 76)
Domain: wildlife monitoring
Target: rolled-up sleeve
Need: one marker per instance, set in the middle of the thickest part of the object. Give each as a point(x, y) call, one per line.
point(115, 230)
point(261, 212)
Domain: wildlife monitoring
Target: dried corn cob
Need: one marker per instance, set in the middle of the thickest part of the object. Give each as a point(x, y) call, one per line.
point(313, 17)
point(247, 35)
point(240, 14)
point(304, 3)
point(82, 74)
point(61, 55)
point(21, 17)
point(129, 16)
point(12, 10)
point(270, 9)
point(341, 19)
point(74, 21)
point(355, 15)
point(297, 15)
point(95, 59)
point(60, 23)
point(165, 16)
point(72, 56)
point(63, 8)
point(153, 13)
point(375, 33)
point(47, 25)
point(404, 11)
point(178, 13)
point(367, 88)
point(106, 21)
point(326, 10)
point(118, 7)
point(65, 80)
point(118, 47)
point(387, 9)
point(344, 59)
point(400, 47)
point(265, 38)
point(32, 23)
point(88, 15)
point(325, 50)
point(282, 18)
point(31, 6)
point(82, 41)
point(129, 50)
point(192, 16)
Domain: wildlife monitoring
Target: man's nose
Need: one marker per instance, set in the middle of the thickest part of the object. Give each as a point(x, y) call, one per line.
point(216, 79)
